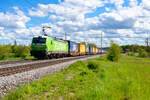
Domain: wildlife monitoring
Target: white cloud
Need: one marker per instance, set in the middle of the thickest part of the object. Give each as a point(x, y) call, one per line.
point(116, 23)
point(133, 3)
point(13, 20)
point(37, 13)
point(146, 4)
point(118, 3)
point(121, 24)
point(69, 10)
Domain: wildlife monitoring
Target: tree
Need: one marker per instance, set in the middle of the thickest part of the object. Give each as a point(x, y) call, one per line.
point(5, 51)
point(83, 43)
point(114, 52)
point(92, 45)
point(142, 53)
point(14, 48)
point(22, 51)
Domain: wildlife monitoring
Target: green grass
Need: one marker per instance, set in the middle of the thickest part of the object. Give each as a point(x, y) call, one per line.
point(17, 58)
point(128, 79)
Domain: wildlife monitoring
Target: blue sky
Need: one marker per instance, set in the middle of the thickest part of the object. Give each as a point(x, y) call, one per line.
point(82, 20)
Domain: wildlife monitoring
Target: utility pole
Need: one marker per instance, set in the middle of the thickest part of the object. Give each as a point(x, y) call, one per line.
point(44, 28)
point(101, 43)
point(147, 43)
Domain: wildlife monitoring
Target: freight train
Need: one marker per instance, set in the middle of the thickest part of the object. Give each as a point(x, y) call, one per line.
point(49, 47)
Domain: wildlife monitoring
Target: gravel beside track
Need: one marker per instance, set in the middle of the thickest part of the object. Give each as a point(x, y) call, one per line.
point(31, 62)
point(6, 71)
point(13, 81)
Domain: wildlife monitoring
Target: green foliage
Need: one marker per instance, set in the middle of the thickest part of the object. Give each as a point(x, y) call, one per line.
point(142, 53)
point(89, 44)
point(130, 53)
point(148, 49)
point(83, 43)
point(11, 51)
point(114, 52)
point(92, 65)
point(132, 48)
point(14, 48)
point(22, 51)
point(83, 73)
point(92, 45)
point(5, 51)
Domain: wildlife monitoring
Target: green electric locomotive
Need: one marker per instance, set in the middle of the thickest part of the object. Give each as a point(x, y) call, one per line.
point(48, 47)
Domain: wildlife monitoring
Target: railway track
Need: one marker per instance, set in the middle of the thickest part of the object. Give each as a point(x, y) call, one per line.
point(15, 61)
point(23, 68)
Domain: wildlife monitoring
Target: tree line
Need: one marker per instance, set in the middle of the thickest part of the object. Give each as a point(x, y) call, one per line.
point(115, 51)
point(89, 44)
point(140, 50)
point(8, 51)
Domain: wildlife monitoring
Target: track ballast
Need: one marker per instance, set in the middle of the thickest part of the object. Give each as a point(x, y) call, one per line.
point(23, 68)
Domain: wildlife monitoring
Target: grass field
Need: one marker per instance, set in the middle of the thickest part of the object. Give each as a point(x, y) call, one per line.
point(128, 79)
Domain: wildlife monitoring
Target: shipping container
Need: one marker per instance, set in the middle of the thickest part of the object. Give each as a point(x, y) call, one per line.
point(81, 49)
point(87, 49)
point(73, 48)
point(90, 50)
point(94, 50)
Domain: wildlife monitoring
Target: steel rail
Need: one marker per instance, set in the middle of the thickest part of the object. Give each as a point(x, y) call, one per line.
point(23, 68)
point(15, 61)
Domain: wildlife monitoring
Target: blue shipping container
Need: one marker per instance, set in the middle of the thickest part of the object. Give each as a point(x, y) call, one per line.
point(90, 49)
point(73, 47)
point(87, 49)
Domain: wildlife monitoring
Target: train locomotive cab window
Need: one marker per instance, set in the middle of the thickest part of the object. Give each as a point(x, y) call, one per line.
point(39, 40)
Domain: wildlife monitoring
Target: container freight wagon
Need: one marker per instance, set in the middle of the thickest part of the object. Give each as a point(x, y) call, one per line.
point(81, 49)
point(87, 50)
point(45, 46)
point(72, 48)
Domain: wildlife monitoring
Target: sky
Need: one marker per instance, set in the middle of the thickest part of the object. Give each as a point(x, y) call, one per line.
point(123, 21)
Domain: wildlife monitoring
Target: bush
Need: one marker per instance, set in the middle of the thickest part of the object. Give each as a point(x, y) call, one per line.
point(92, 65)
point(114, 52)
point(143, 53)
point(5, 51)
point(83, 73)
point(22, 51)
point(131, 54)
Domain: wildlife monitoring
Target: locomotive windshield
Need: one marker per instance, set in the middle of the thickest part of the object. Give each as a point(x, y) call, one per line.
point(39, 40)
